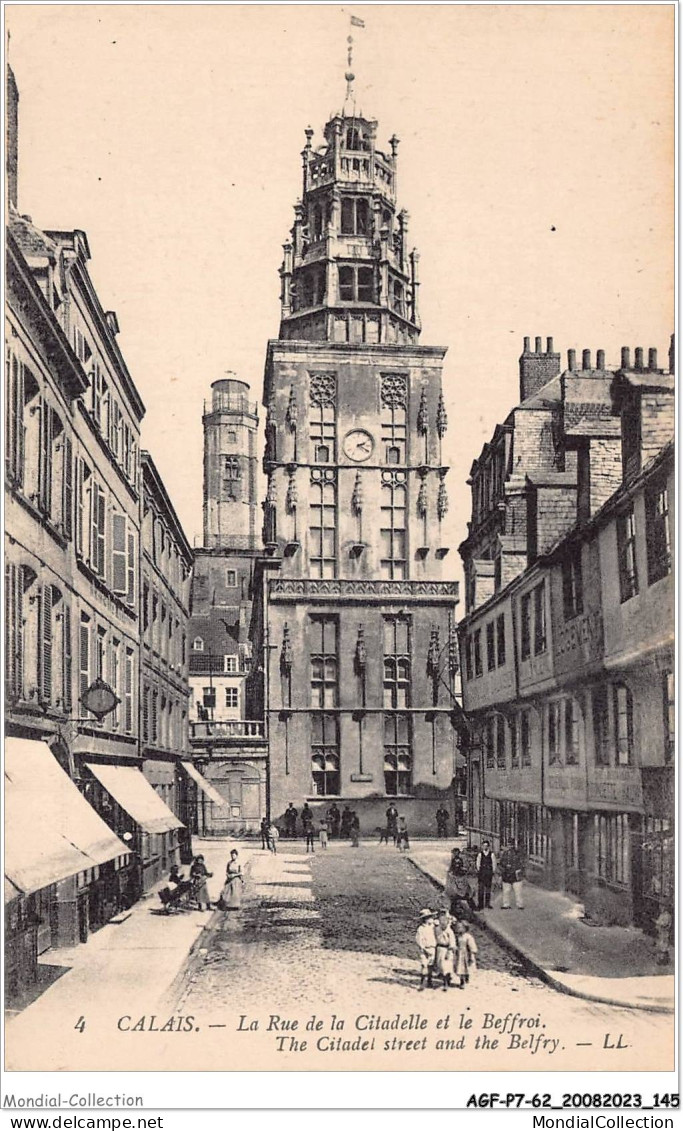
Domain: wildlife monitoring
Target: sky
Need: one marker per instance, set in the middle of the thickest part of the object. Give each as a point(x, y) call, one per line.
point(536, 162)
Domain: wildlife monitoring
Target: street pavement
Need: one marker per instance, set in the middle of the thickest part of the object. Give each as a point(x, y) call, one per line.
point(616, 965)
point(318, 937)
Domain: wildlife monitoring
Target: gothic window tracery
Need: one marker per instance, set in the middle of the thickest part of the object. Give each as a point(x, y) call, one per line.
point(323, 523)
point(393, 417)
point(393, 535)
point(323, 416)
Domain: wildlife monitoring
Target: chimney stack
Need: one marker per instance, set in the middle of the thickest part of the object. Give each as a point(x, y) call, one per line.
point(600, 359)
point(672, 354)
point(586, 359)
point(625, 357)
point(652, 358)
point(538, 368)
point(571, 360)
point(639, 359)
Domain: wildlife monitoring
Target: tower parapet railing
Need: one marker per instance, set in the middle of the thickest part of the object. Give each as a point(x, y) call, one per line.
point(230, 402)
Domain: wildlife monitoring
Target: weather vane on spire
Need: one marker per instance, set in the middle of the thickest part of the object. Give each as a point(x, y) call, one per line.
point(349, 76)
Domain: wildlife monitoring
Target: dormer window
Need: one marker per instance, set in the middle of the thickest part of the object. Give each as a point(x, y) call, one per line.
point(356, 284)
point(355, 214)
point(198, 644)
point(354, 138)
point(397, 297)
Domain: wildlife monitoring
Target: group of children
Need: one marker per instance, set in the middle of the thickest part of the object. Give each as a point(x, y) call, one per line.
point(447, 948)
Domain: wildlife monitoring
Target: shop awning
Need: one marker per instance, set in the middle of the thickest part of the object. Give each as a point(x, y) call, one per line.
point(210, 790)
point(51, 832)
point(130, 788)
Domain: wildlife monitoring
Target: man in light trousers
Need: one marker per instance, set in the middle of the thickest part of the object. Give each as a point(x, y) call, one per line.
point(512, 875)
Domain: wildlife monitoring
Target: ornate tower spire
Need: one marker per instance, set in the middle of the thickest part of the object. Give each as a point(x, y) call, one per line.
point(348, 274)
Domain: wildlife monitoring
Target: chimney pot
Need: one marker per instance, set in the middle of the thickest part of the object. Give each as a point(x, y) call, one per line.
point(539, 345)
point(652, 358)
point(625, 357)
point(586, 359)
point(600, 359)
point(571, 359)
point(549, 347)
point(639, 358)
point(526, 345)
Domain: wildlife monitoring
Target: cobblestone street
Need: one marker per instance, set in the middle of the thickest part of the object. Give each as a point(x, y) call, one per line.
point(333, 933)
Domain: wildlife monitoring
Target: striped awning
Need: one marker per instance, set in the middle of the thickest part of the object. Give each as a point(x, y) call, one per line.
point(210, 790)
point(130, 788)
point(51, 831)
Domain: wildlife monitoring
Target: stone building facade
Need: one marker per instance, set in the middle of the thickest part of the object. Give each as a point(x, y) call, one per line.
point(568, 668)
point(354, 611)
point(165, 692)
point(73, 510)
point(227, 745)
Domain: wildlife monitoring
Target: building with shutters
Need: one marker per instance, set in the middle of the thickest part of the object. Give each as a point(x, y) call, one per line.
point(166, 570)
point(567, 643)
point(73, 503)
point(354, 620)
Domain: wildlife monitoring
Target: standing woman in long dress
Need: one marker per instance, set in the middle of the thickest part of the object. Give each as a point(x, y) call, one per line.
point(445, 947)
point(199, 874)
point(231, 896)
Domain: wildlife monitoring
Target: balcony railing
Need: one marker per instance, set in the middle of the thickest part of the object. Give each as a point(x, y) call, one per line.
point(227, 728)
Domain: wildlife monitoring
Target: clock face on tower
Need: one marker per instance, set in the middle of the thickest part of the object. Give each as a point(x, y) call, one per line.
point(358, 445)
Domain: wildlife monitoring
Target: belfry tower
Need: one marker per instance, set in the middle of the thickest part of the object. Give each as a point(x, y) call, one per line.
point(359, 622)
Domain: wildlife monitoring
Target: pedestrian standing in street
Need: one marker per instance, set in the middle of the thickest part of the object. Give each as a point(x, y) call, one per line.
point(392, 821)
point(323, 834)
point(309, 833)
point(355, 830)
point(442, 816)
point(306, 818)
point(346, 819)
point(445, 947)
point(402, 839)
point(457, 863)
point(273, 837)
point(231, 895)
point(264, 833)
point(466, 953)
point(290, 821)
point(199, 874)
point(486, 867)
point(457, 816)
point(662, 925)
point(426, 945)
point(334, 817)
point(512, 875)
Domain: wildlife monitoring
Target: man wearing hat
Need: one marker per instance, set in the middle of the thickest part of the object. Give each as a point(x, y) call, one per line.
point(426, 944)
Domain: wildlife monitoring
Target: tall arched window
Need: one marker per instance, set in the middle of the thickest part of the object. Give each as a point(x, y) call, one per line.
point(323, 523)
point(393, 535)
point(398, 761)
point(325, 755)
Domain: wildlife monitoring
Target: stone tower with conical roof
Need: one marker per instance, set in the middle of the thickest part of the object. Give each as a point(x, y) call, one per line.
point(358, 626)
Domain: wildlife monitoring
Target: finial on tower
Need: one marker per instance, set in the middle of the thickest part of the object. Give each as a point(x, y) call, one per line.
point(349, 76)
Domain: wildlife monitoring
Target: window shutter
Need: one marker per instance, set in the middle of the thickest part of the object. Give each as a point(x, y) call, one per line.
point(130, 576)
point(14, 629)
point(66, 659)
point(145, 714)
point(118, 555)
point(68, 486)
point(45, 644)
point(79, 507)
point(84, 657)
point(93, 524)
point(128, 710)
